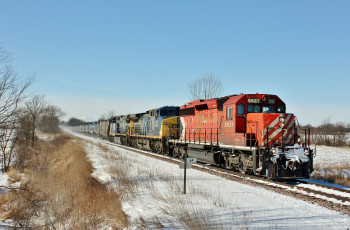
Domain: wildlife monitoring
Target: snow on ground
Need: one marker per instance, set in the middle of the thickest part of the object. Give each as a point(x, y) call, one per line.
point(332, 160)
point(156, 199)
point(330, 157)
point(3, 180)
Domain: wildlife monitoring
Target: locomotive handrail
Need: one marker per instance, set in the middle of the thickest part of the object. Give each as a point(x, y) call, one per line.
point(194, 135)
point(191, 133)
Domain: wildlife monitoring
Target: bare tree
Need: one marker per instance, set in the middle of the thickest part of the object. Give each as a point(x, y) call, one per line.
point(206, 87)
point(330, 134)
point(109, 115)
point(30, 117)
point(75, 121)
point(50, 119)
point(12, 92)
point(8, 141)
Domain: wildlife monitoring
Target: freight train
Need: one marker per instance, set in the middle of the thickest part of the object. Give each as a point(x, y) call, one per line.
point(251, 133)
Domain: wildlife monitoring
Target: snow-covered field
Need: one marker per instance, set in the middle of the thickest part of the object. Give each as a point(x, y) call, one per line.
point(157, 199)
point(332, 159)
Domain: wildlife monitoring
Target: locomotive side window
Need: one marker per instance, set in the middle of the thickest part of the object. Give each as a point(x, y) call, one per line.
point(281, 109)
point(240, 109)
point(229, 113)
point(253, 108)
point(268, 109)
point(164, 113)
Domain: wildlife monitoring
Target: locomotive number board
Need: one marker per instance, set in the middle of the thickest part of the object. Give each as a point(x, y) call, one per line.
point(271, 101)
point(254, 100)
point(258, 100)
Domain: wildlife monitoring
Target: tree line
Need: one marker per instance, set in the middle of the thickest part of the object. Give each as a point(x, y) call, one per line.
point(330, 134)
point(22, 114)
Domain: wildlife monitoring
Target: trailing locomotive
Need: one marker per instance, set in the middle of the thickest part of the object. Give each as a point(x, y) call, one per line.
point(251, 133)
point(145, 130)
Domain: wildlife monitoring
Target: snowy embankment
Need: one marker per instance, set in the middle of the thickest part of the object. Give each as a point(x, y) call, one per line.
point(155, 197)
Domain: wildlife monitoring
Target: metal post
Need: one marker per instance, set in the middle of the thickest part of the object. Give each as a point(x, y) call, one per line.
point(199, 139)
point(267, 142)
point(185, 174)
point(282, 140)
point(250, 137)
point(217, 137)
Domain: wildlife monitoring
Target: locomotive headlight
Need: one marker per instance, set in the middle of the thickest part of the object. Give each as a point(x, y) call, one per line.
point(282, 120)
point(306, 151)
point(273, 151)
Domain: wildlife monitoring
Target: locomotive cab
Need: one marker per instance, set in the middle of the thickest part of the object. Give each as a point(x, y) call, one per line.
point(246, 118)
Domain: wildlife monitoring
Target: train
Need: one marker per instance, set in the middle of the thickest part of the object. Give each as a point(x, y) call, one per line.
point(250, 133)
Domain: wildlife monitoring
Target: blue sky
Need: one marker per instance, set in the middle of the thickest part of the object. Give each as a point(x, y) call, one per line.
point(91, 57)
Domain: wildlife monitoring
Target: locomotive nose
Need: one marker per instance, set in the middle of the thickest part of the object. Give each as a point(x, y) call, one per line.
point(271, 128)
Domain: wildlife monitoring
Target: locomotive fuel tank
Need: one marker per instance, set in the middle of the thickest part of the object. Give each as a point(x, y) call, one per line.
point(205, 153)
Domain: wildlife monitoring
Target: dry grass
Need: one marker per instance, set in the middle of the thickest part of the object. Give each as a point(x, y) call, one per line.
point(103, 147)
point(59, 191)
point(336, 174)
point(119, 167)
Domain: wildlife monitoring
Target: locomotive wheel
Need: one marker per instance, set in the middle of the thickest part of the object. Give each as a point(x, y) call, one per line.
point(123, 140)
point(176, 152)
point(182, 154)
point(227, 164)
point(134, 143)
point(158, 147)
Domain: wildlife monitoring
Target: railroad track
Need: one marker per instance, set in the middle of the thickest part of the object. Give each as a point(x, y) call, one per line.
point(330, 197)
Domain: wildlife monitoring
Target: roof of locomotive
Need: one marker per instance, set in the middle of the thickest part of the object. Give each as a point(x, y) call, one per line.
point(263, 97)
point(202, 102)
point(230, 99)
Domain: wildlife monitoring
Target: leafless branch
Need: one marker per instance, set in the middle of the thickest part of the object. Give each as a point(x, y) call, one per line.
point(13, 91)
point(206, 87)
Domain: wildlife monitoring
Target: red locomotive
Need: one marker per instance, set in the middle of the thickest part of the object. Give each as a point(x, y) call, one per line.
point(248, 132)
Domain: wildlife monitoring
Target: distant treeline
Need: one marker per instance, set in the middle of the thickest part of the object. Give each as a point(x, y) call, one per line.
point(331, 134)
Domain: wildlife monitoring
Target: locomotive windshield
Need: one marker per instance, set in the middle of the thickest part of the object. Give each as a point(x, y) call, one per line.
point(253, 108)
point(281, 109)
point(168, 113)
point(268, 109)
point(263, 109)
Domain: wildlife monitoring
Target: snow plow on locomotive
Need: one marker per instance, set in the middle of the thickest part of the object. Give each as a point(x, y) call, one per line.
point(251, 133)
